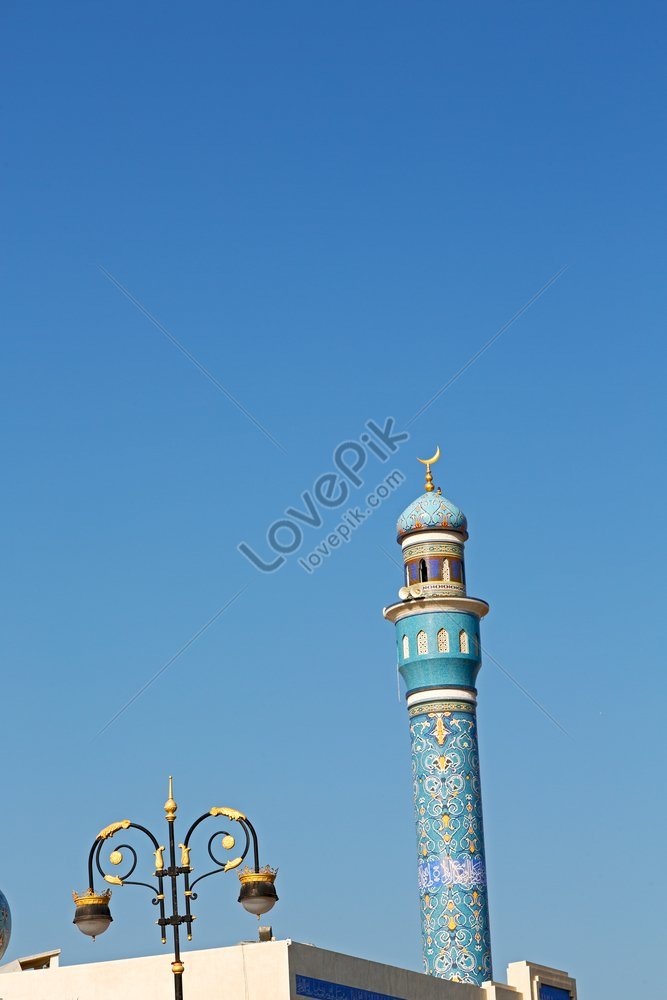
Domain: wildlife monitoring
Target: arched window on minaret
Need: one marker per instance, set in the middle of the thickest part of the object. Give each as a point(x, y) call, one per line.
point(406, 647)
point(463, 641)
point(475, 640)
point(422, 643)
point(423, 571)
point(443, 641)
point(445, 570)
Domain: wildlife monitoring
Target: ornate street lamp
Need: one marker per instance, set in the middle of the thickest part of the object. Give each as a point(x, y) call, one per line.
point(258, 893)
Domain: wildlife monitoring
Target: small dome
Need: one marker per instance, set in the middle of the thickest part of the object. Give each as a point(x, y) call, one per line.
point(5, 924)
point(429, 511)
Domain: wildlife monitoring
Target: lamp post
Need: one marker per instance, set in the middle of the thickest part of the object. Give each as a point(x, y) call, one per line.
point(257, 896)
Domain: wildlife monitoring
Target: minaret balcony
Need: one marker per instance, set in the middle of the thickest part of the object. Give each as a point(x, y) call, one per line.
point(427, 604)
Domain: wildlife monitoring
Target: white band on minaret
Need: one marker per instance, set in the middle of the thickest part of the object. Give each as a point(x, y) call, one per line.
point(441, 535)
point(442, 694)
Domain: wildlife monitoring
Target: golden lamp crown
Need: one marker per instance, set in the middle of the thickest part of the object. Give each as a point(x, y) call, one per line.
point(249, 875)
point(92, 898)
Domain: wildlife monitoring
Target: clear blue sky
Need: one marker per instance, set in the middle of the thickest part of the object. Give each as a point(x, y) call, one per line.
point(333, 207)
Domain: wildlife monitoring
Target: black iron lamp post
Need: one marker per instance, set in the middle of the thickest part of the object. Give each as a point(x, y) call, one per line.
point(257, 895)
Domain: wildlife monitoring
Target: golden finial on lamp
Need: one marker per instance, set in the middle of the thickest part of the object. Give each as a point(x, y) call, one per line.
point(170, 806)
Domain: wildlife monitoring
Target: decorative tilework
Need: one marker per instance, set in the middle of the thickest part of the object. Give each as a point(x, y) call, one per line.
point(452, 871)
point(322, 990)
point(431, 510)
point(436, 706)
point(432, 548)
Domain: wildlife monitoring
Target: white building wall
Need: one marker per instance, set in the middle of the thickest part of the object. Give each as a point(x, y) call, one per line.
point(272, 970)
point(247, 972)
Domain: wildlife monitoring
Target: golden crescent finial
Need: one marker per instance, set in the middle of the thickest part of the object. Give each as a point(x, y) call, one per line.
point(430, 461)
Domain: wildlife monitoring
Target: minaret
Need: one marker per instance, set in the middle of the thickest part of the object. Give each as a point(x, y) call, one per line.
point(438, 643)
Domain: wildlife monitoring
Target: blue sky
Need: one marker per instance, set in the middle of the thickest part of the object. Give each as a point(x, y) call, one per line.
point(333, 207)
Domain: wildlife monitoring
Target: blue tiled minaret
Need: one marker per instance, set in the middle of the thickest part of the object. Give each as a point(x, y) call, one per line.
point(438, 643)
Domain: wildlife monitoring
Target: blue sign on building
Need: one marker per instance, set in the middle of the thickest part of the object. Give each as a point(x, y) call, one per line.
point(554, 993)
point(322, 990)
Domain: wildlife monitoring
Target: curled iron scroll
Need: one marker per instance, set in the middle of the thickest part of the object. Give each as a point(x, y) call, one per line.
point(224, 866)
